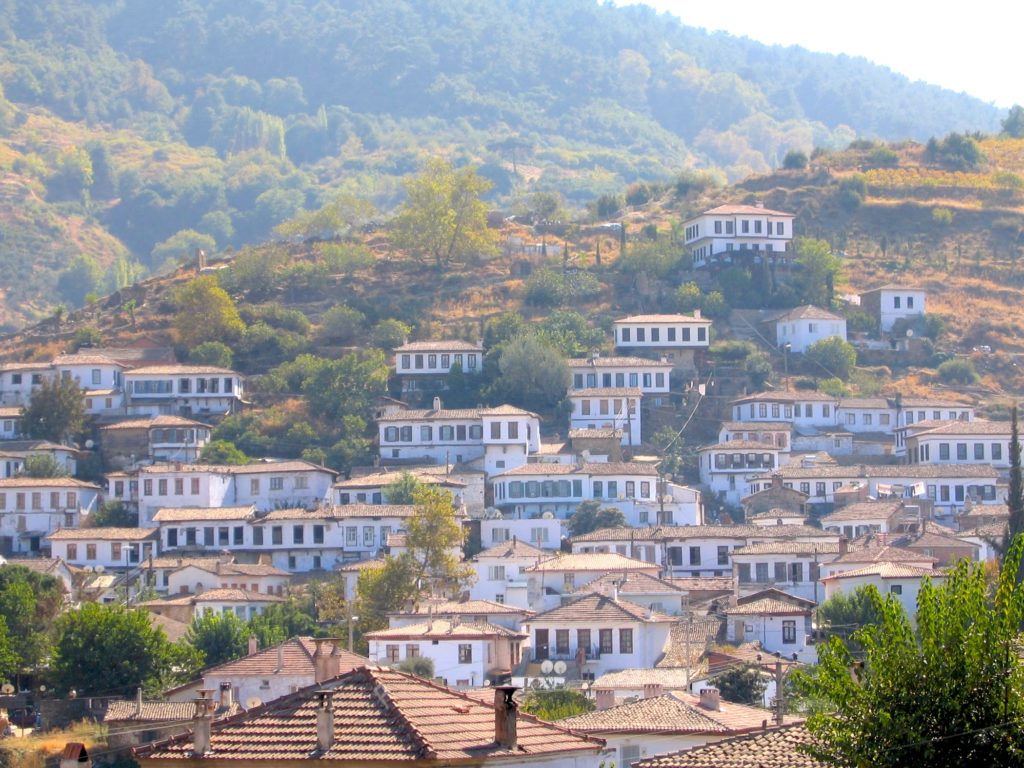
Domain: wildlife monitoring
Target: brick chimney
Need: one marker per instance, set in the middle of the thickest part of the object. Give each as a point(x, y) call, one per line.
point(326, 663)
point(710, 699)
point(324, 720)
point(605, 698)
point(505, 716)
point(75, 755)
point(844, 545)
point(652, 690)
point(201, 722)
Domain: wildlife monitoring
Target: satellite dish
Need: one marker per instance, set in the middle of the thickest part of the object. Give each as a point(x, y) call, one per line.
point(7, 689)
point(546, 666)
point(252, 702)
point(549, 515)
point(487, 683)
point(560, 667)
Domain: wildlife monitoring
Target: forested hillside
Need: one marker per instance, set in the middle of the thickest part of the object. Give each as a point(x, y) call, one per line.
point(133, 131)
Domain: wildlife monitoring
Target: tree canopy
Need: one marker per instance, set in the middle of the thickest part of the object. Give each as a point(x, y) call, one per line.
point(206, 313)
point(57, 410)
point(591, 516)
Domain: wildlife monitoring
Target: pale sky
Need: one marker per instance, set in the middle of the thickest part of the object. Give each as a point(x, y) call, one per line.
point(973, 47)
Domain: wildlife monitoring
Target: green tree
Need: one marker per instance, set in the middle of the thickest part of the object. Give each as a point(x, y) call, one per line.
point(1013, 124)
point(222, 452)
point(80, 278)
point(532, 374)
point(219, 637)
point(205, 313)
point(556, 703)
point(181, 247)
point(795, 160)
point(342, 216)
point(759, 369)
point(29, 602)
point(844, 614)
point(421, 666)
point(444, 218)
point(10, 663)
point(958, 370)
point(86, 336)
point(834, 356)
point(591, 516)
point(389, 333)
point(43, 465)
point(1015, 490)
point(341, 324)
point(384, 589)
point(821, 271)
point(949, 693)
point(742, 685)
point(402, 490)
point(57, 410)
point(107, 650)
point(215, 353)
point(113, 514)
point(434, 538)
point(688, 297)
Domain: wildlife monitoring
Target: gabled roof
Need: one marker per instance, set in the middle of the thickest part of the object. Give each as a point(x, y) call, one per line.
point(799, 548)
point(960, 427)
point(104, 534)
point(444, 629)
point(381, 716)
point(670, 678)
point(163, 420)
point(616, 361)
point(595, 607)
point(46, 482)
point(81, 358)
point(453, 345)
point(659, 714)
point(774, 748)
point(149, 711)
point(887, 570)
point(768, 606)
point(805, 312)
point(662, 319)
point(735, 209)
point(292, 658)
point(591, 561)
point(378, 479)
point(606, 392)
point(864, 510)
point(882, 554)
point(635, 583)
point(514, 547)
point(182, 370)
point(892, 287)
point(742, 445)
point(187, 514)
point(442, 608)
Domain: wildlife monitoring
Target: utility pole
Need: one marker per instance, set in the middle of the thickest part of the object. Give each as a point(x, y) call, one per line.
point(780, 694)
point(686, 637)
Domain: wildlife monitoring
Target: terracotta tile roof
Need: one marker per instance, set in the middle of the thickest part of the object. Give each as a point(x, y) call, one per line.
point(381, 716)
point(421, 414)
point(164, 420)
point(662, 319)
point(659, 714)
point(616, 361)
point(887, 570)
point(799, 548)
point(255, 468)
point(987, 510)
point(187, 514)
point(174, 630)
point(536, 470)
point(774, 514)
point(591, 561)
point(782, 396)
point(864, 510)
point(378, 479)
point(805, 312)
point(606, 392)
point(512, 548)
point(169, 561)
point(10, 412)
point(619, 468)
point(882, 554)
point(230, 595)
point(104, 534)
point(757, 426)
point(864, 402)
point(240, 569)
point(741, 445)
point(454, 345)
point(693, 637)
point(893, 287)
point(346, 512)
point(595, 607)
point(730, 209)
point(442, 608)
point(445, 629)
point(149, 711)
point(960, 427)
point(37, 564)
point(505, 410)
point(704, 583)
point(671, 678)
point(46, 482)
point(82, 358)
point(635, 583)
point(774, 748)
point(768, 606)
point(605, 433)
point(883, 471)
point(15, 367)
point(293, 658)
point(182, 370)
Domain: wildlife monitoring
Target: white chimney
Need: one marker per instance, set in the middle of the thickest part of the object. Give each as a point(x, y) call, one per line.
point(437, 403)
point(324, 720)
point(138, 702)
point(201, 722)
point(227, 695)
point(696, 314)
point(710, 699)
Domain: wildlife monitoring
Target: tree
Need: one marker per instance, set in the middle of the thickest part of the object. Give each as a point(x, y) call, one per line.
point(113, 514)
point(444, 217)
point(9, 661)
point(180, 247)
point(205, 313)
point(590, 516)
point(742, 685)
point(795, 160)
point(532, 374)
point(1013, 125)
point(57, 410)
point(434, 538)
point(29, 602)
point(384, 589)
point(820, 271)
point(389, 333)
point(215, 353)
point(402, 490)
point(556, 703)
point(219, 637)
point(43, 465)
point(958, 370)
point(342, 216)
point(421, 666)
point(843, 614)
point(834, 356)
point(341, 324)
point(1015, 491)
point(107, 650)
point(949, 693)
point(80, 278)
point(223, 452)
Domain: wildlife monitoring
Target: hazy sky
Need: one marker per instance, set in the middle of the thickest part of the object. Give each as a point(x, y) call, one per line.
point(973, 47)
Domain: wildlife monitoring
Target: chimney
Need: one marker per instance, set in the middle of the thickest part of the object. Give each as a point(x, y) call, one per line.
point(605, 698)
point(759, 204)
point(200, 259)
point(710, 699)
point(324, 720)
point(844, 545)
point(254, 645)
point(138, 702)
point(696, 314)
point(505, 716)
point(615, 592)
point(227, 695)
point(326, 664)
point(652, 690)
point(437, 403)
point(776, 480)
point(280, 657)
point(75, 755)
point(201, 722)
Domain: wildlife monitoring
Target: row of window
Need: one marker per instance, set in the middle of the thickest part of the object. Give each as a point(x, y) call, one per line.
point(420, 362)
point(36, 379)
point(923, 453)
point(605, 637)
point(166, 386)
point(178, 436)
point(412, 651)
point(780, 439)
point(118, 552)
point(538, 535)
point(162, 485)
point(454, 432)
point(590, 380)
point(675, 555)
point(745, 225)
point(569, 489)
point(224, 535)
point(778, 573)
point(742, 461)
point(605, 407)
point(34, 500)
point(95, 378)
point(896, 302)
point(626, 334)
point(934, 492)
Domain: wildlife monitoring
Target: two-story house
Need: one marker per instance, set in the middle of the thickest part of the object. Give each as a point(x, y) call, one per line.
point(32, 507)
point(19, 381)
point(731, 233)
point(424, 366)
point(792, 566)
point(553, 579)
point(681, 339)
point(163, 438)
point(500, 572)
point(804, 326)
point(958, 442)
point(183, 390)
point(727, 468)
point(608, 408)
point(889, 303)
point(651, 377)
point(111, 548)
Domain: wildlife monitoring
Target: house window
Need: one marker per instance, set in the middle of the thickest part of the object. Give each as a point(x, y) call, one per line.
point(238, 535)
point(195, 486)
point(254, 485)
point(761, 572)
point(604, 640)
point(277, 534)
point(391, 651)
point(789, 631)
point(90, 551)
point(298, 534)
point(495, 430)
point(367, 535)
point(943, 451)
point(961, 451)
point(796, 572)
point(161, 488)
point(465, 653)
point(896, 589)
point(694, 555)
point(625, 641)
point(625, 335)
point(723, 555)
point(979, 451)
point(318, 534)
point(72, 551)
point(115, 552)
point(513, 430)
point(257, 536)
point(895, 302)
point(426, 433)
point(276, 483)
point(562, 642)
point(997, 451)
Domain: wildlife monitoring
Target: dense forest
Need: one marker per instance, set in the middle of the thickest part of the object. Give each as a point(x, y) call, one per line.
point(133, 131)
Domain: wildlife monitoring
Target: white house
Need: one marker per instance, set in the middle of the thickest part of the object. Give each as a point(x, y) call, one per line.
point(722, 234)
point(90, 371)
point(861, 518)
point(775, 433)
point(10, 422)
point(802, 327)
point(500, 572)
point(644, 590)
point(607, 408)
point(779, 625)
point(425, 365)
point(727, 468)
point(791, 566)
point(465, 655)
point(679, 338)
point(600, 633)
point(32, 507)
point(543, 532)
point(183, 390)
point(889, 303)
point(195, 578)
point(958, 442)
point(462, 611)
point(163, 438)
point(651, 377)
point(112, 548)
point(553, 579)
point(243, 603)
point(902, 580)
point(19, 381)
point(502, 437)
point(369, 489)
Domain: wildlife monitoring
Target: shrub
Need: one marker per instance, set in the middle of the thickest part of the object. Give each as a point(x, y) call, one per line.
point(834, 356)
point(549, 288)
point(731, 351)
point(87, 336)
point(214, 353)
point(608, 206)
point(834, 387)
point(639, 193)
point(958, 370)
point(882, 157)
point(341, 324)
point(688, 297)
point(759, 369)
point(795, 160)
point(389, 333)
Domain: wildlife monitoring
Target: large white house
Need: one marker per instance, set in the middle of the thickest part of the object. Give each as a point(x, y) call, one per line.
point(727, 468)
point(651, 377)
point(425, 365)
point(32, 507)
point(890, 303)
point(958, 442)
point(501, 437)
point(802, 327)
point(723, 233)
point(500, 572)
point(608, 408)
point(108, 547)
point(679, 338)
point(183, 390)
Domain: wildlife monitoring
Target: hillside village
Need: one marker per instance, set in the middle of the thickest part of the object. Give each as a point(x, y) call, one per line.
point(591, 552)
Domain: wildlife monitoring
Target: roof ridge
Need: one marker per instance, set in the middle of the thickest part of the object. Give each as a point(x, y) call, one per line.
point(382, 695)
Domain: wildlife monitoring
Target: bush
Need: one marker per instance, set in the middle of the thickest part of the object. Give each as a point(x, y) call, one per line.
point(795, 160)
point(87, 336)
point(834, 387)
point(833, 356)
point(859, 321)
point(341, 324)
point(390, 333)
point(759, 369)
point(639, 193)
point(715, 306)
point(959, 370)
point(214, 353)
point(882, 157)
point(550, 288)
point(731, 351)
point(688, 297)
point(957, 151)
point(608, 206)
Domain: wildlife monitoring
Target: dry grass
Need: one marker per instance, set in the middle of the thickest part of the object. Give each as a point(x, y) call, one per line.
point(33, 750)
